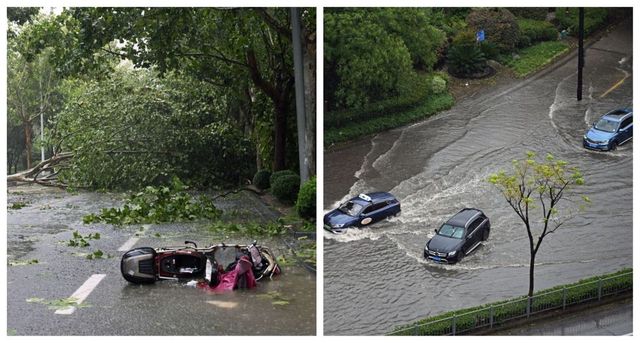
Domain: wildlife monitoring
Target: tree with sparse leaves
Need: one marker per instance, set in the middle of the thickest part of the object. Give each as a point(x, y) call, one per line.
point(535, 190)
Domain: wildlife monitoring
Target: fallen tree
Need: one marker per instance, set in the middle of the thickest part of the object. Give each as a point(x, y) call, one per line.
point(44, 173)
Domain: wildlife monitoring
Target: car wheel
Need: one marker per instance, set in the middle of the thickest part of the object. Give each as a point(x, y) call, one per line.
point(614, 146)
point(485, 234)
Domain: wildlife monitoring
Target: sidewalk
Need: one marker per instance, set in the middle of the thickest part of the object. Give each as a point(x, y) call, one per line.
point(612, 319)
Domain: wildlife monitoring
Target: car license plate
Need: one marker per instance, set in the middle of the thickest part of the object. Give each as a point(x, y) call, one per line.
point(437, 259)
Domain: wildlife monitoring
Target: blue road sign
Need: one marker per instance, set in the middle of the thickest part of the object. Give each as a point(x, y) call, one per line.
point(480, 36)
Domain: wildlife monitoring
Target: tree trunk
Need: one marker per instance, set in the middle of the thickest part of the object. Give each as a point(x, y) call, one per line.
point(280, 141)
point(28, 145)
point(309, 61)
point(531, 267)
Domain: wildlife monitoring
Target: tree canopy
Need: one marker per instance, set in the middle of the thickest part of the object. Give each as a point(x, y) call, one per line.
point(370, 53)
point(208, 87)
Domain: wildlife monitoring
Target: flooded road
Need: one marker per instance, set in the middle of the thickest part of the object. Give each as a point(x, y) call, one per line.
point(376, 278)
point(39, 231)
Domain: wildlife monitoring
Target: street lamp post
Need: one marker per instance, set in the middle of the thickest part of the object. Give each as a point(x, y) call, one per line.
point(580, 50)
point(299, 91)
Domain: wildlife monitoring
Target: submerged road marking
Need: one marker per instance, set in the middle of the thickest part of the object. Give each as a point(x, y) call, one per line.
point(614, 86)
point(133, 240)
point(83, 292)
point(223, 304)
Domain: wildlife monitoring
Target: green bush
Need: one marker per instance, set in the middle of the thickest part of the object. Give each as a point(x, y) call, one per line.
point(465, 60)
point(261, 179)
point(279, 174)
point(306, 203)
point(594, 18)
point(438, 83)
point(536, 13)
point(536, 31)
point(428, 107)
point(286, 188)
point(500, 26)
point(465, 36)
point(490, 50)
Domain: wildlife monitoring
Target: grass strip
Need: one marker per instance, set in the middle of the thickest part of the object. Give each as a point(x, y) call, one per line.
point(536, 57)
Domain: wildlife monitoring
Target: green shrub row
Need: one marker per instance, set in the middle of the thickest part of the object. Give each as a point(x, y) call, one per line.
point(594, 18)
point(415, 91)
point(478, 316)
point(533, 31)
point(431, 105)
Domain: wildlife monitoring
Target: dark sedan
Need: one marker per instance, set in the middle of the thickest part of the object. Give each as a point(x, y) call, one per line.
point(458, 237)
point(365, 209)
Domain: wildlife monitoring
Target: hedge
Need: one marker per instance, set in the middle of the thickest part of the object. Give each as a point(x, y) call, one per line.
point(428, 107)
point(468, 318)
point(536, 31)
point(415, 91)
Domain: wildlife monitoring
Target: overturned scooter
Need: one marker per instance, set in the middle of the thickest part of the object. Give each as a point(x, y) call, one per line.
point(223, 266)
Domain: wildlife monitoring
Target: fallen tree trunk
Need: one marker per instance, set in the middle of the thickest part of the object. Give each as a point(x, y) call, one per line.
point(33, 175)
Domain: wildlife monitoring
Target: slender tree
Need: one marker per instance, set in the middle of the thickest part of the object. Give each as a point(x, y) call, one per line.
point(31, 87)
point(535, 190)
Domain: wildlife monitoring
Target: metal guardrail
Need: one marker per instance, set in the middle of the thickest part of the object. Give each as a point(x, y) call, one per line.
point(500, 313)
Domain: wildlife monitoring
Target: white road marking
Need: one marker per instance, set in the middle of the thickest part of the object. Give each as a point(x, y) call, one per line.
point(133, 240)
point(83, 292)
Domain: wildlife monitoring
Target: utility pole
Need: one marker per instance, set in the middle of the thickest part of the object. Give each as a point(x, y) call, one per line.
point(580, 50)
point(299, 88)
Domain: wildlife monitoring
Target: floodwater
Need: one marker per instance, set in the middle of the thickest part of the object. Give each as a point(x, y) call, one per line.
point(376, 278)
point(282, 306)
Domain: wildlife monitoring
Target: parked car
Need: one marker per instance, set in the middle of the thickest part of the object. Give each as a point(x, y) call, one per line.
point(365, 209)
point(612, 129)
point(458, 237)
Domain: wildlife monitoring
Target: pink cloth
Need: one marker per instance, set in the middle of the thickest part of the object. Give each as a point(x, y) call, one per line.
point(240, 277)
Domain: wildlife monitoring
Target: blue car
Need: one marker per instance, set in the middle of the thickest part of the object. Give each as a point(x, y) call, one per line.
point(365, 209)
point(612, 129)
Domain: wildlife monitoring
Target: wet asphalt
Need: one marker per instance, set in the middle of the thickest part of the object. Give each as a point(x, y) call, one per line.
point(376, 278)
point(115, 307)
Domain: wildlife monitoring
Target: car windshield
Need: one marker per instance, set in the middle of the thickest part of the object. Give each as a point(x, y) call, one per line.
point(606, 125)
point(451, 231)
point(351, 208)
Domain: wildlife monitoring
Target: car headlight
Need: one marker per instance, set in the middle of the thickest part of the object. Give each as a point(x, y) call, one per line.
point(451, 254)
point(337, 226)
point(584, 137)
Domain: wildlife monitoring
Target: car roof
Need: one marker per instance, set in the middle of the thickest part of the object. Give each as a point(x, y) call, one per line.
point(375, 198)
point(618, 114)
point(463, 217)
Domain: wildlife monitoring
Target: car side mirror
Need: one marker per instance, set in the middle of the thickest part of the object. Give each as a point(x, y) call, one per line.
point(436, 230)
